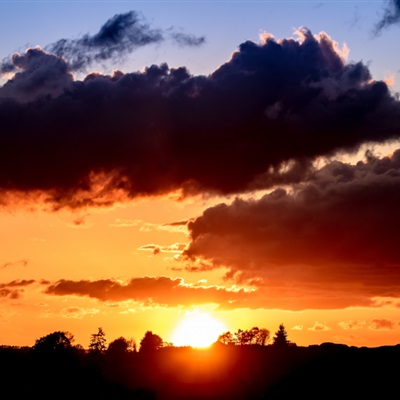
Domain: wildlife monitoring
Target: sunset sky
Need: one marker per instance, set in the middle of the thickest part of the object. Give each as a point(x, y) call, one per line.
point(238, 160)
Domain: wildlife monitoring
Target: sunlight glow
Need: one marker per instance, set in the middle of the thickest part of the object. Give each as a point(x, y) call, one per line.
point(197, 330)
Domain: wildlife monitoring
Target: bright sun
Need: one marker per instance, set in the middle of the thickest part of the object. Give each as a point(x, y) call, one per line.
point(197, 330)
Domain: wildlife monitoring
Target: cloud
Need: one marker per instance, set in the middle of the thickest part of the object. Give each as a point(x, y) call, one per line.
point(184, 39)
point(173, 227)
point(259, 120)
point(351, 324)
point(382, 325)
point(78, 312)
point(391, 16)
point(126, 223)
point(331, 240)
point(155, 248)
point(23, 262)
point(119, 36)
point(40, 74)
point(80, 221)
point(163, 291)
point(297, 328)
point(14, 289)
point(319, 326)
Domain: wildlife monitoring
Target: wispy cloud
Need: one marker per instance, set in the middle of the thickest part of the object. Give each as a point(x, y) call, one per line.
point(119, 36)
point(173, 227)
point(352, 325)
point(297, 328)
point(319, 326)
point(382, 325)
point(9, 264)
point(14, 289)
point(391, 16)
point(78, 312)
point(155, 248)
point(184, 39)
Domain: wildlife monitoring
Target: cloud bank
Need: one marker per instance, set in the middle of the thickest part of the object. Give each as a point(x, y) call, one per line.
point(330, 240)
point(151, 291)
point(259, 120)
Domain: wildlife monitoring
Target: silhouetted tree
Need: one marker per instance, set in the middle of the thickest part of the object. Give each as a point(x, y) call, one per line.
point(150, 342)
point(226, 338)
point(242, 337)
point(56, 341)
point(121, 346)
point(280, 338)
point(98, 341)
point(260, 336)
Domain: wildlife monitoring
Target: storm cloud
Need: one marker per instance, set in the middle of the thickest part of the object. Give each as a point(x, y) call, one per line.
point(332, 240)
point(259, 120)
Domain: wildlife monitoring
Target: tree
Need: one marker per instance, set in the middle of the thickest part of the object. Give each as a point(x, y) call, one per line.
point(121, 346)
point(226, 338)
point(280, 338)
point(56, 341)
point(150, 342)
point(260, 336)
point(98, 341)
point(242, 337)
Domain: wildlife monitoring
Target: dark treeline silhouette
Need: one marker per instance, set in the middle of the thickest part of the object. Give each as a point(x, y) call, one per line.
point(243, 367)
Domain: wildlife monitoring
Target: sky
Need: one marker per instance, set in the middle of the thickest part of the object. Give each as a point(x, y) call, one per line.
point(166, 159)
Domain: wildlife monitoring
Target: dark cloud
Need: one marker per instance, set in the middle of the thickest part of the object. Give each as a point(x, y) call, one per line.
point(163, 291)
point(332, 240)
point(390, 16)
point(184, 39)
point(119, 36)
point(258, 120)
point(40, 75)
point(18, 283)
point(14, 289)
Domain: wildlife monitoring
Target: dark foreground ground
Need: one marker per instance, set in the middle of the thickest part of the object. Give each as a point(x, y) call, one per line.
point(326, 371)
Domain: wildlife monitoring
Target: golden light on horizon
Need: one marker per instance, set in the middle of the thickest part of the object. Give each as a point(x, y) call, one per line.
point(198, 329)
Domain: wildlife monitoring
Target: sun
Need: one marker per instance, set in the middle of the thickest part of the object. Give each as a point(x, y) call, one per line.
point(198, 329)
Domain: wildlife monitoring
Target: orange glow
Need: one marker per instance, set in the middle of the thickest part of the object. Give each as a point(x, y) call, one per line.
point(197, 330)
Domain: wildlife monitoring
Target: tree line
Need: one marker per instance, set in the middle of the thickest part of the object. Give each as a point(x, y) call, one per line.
point(61, 340)
point(242, 365)
point(256, 336)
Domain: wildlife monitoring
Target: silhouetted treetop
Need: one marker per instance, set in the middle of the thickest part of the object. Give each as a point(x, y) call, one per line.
point(121, 346)
point(254, 335)
point(98, 341)
point(150, 342)
point(280, 338)
point(56, 341)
